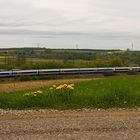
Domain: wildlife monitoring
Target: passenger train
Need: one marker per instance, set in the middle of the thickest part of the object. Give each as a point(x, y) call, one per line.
point(14, 73)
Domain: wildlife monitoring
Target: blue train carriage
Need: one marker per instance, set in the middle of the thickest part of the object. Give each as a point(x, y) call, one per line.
point(48, 71)
point(88, 70)
point(70, 71)
point(6, 74)
point(24, 72)
point(136, 69)
point(123, 69)
point(78, 70)
point(100, 70)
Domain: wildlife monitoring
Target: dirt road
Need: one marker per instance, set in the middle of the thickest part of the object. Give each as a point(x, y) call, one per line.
point(70, 125)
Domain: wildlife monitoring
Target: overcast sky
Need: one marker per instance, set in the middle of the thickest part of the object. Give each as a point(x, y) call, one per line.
point(65, 23)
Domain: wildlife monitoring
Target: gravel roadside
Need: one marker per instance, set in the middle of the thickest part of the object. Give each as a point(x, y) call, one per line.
point(85, 124)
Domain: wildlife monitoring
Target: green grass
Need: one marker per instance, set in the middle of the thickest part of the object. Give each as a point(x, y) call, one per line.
point(117, 92)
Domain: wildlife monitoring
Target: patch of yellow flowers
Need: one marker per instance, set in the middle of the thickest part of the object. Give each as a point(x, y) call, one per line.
point(34, 94)
point(60, 89)
point(63, 88)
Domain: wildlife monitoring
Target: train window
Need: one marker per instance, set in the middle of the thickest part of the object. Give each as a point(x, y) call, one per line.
point(29, 72)
point(121, 69)
point(5, 73)
point(48, 71)
point(70, 70)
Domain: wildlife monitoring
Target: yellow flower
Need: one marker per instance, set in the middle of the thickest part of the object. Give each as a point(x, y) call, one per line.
point(35, 93)
point(51, 88)
point(125, 102)
point(65, 85)
point(26, 94)
point(54, 86)
point(59, 87)
point(70, 87)
point(39, 91)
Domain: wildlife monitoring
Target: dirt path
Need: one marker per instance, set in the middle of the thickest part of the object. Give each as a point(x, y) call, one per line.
point(70, 125)
point(33, 84)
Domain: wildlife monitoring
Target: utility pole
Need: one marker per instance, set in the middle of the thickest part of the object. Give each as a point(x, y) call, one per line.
point(77, 46)
point(132, 45)
point(38, 45)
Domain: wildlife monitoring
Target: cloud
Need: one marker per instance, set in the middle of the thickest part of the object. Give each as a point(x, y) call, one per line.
point(105, 19)
point(79, 15)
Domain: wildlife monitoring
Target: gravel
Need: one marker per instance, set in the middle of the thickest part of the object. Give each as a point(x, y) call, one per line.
point(82, 124)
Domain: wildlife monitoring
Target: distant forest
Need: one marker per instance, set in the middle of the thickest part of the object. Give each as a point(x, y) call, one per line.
point(45, 58)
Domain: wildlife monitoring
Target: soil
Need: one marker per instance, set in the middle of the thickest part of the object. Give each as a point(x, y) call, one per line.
point(83, 124)
point(34, 84)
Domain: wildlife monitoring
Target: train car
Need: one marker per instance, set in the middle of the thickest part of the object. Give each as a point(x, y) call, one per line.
point(49, 72)
point(105, 70)
point(88, 70)
point(69, 71)
point(123, 69)
point(6, 74)
point(136, 69)
point(24, 72)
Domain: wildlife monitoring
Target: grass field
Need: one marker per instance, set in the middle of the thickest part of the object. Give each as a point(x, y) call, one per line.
point(114, 92)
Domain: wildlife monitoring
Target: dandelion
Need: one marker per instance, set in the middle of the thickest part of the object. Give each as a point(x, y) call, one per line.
point(33, 94)
point(54, 86)
point(59, 87)
point(125, 102)
point(70, 87)
point(65, 85)
point(51, 88)
point(27, 94)
point(62, 89)
point(39, 91)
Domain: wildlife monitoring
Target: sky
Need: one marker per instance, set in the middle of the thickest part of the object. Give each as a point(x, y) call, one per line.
point(93, 24)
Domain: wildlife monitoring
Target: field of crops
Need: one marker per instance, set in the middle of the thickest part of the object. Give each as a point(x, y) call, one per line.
point(101, 93)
